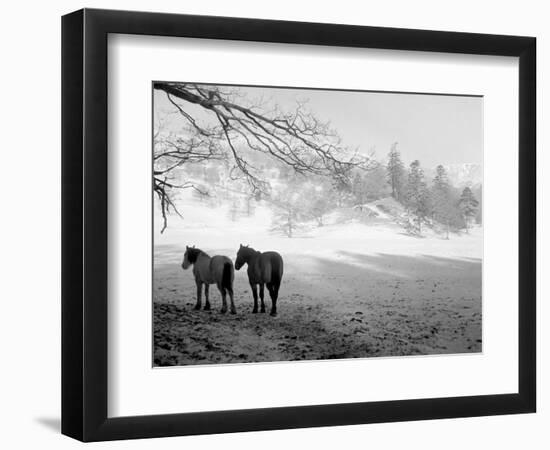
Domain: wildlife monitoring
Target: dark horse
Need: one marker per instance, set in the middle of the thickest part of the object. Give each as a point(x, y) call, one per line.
point(263, 268)
point(209, 270)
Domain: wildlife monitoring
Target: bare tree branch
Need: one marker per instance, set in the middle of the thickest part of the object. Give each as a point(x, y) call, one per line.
point(296, 139)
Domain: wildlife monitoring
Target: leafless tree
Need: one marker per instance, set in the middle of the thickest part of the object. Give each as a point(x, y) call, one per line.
point(171, 152)
point(218, 123)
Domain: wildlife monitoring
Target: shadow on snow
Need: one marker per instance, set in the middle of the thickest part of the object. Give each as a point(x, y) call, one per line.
point(350, 305)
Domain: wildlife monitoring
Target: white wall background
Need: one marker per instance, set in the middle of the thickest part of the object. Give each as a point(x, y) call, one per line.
point(30, 229)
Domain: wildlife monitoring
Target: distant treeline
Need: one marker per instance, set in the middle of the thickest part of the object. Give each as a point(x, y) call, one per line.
point(296, 199)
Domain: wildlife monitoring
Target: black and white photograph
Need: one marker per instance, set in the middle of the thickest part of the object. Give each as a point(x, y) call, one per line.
point(314, 224)
point(275, 225)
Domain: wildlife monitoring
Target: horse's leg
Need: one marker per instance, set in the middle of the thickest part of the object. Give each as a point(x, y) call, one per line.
point(262, 308)
point(224, 301)
point(255, 295)
point(207, 300)
point(199, 293)
point(274, 293)
point(233, 309)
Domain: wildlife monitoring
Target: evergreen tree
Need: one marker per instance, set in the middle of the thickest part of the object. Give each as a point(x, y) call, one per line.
point(359, 189)
point(441, 198)
point(478, 194)
point(468, 206)
point(375, 183)
point(342, 189)
point(396, 173)
point(417, 195)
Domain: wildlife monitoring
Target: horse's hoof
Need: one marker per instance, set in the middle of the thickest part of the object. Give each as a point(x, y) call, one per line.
point(223, 311)
point(273, 313)
point(262, 310)
point(207, 307)
point(254, 311)
point(197, 307)
point(233, 311)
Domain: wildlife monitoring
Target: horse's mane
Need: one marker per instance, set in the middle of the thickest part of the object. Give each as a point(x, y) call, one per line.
point(249, 250)
point(193, 254)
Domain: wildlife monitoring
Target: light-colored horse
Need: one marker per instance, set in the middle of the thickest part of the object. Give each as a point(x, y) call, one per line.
point(263, 268)
point(209, 270)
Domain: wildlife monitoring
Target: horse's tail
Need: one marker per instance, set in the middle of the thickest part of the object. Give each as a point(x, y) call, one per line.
point(276, 270)
point(227, 278)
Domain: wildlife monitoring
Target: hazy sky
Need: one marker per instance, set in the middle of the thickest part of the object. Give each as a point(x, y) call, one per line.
point(434, 129)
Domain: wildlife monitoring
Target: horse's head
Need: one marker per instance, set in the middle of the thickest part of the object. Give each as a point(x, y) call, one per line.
point(189, 257)
point(242, 256)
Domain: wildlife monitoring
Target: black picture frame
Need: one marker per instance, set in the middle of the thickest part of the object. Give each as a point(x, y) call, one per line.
point(84, 224)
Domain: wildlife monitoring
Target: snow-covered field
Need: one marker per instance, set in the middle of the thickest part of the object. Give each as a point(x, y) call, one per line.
point(350, 290)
